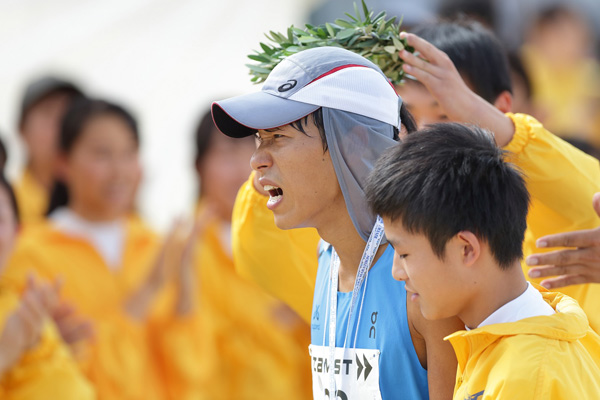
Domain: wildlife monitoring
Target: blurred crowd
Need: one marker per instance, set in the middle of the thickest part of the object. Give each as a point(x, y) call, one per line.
point(93, 304)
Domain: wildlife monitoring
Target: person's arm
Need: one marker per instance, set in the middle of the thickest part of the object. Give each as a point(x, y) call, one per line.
point(284, 263)
point(435, 354)
point(578, 264)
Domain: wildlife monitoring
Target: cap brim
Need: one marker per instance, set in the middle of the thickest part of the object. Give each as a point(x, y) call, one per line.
point(243, 115)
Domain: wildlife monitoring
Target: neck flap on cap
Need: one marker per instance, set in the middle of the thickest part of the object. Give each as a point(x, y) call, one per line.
point(355, 143)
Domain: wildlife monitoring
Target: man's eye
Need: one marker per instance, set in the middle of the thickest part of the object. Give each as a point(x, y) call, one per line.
point(277, 136)
point(402, 256)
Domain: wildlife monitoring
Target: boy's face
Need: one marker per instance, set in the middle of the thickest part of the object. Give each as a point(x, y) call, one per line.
point(432, 282)
point(422, 105)
point(299, 175)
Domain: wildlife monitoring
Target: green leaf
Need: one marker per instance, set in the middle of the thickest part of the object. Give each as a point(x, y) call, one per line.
point(352, 41)
point(345, 34)
point(298, 31)
point(366, 10)
point(259, 58)
point(352, 17)
point(267, 49)
point(344, 24)
point(357, 13)
point(379, 16)
point(390, 49)
point(330, 29)
point(258, 69)
point(397, 43)
point(308, 39)
point(292, 49)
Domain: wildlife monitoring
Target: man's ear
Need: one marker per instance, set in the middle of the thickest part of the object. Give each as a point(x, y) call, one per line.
point(504, 102)
point(470, 247)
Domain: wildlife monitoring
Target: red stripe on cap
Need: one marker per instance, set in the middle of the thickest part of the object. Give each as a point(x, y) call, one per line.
point(336, 70)
point(349, 66)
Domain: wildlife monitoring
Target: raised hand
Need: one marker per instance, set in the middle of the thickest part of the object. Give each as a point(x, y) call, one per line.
point(434, 69)
point(23, 327)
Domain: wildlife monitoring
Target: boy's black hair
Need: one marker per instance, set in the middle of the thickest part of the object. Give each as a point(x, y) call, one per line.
point(477, 54)
point(78, 114)
point(317, 116)
point(449, 178)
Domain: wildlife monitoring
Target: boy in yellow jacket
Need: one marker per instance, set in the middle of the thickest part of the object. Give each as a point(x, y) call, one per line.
point(455, 212)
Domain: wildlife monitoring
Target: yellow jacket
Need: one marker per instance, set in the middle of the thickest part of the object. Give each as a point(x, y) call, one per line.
point(545, 357)
point(45, 372)
point(119, 363)
point(560, 178)
point(283, 262)
point(32, 199)
point(566, 98)
point(234, 345)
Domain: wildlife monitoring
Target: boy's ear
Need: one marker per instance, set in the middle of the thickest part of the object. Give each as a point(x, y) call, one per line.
point(504, 102)
point(470, 247)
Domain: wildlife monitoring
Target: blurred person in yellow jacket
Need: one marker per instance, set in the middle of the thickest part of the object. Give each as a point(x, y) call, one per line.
point(455, 212)
point(34, 362)
point(43, 105)
point(565, 76)
point(105, 258)
point(226, 338)
point(560, 178)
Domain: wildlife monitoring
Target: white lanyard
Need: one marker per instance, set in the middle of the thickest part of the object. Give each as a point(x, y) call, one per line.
point(363, 269)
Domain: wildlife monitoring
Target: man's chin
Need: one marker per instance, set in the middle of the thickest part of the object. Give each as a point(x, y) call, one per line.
point(285, 222)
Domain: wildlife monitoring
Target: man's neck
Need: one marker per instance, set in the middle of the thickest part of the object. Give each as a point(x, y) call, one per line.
point(349, 246)
point(498, 289)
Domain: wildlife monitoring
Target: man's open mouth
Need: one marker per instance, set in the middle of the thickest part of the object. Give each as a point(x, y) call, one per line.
point(275, 193)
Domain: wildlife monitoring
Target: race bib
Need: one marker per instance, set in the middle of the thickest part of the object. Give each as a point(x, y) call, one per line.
point(356, 373)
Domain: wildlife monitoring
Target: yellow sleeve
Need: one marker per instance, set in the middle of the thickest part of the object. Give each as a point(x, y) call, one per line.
point(561, 180)
point(284, 263)
point(47, 371)
point(559, 176)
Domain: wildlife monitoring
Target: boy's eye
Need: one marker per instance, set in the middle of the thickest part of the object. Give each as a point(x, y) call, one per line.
point(277, 136)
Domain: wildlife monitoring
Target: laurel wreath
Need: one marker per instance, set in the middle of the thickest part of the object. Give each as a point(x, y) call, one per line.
point(373, 37)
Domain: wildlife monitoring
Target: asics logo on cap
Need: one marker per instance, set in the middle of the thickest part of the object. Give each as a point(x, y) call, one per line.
point(289, 85)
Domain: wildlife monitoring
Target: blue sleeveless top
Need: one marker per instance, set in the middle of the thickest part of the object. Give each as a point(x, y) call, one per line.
point(383, 325)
